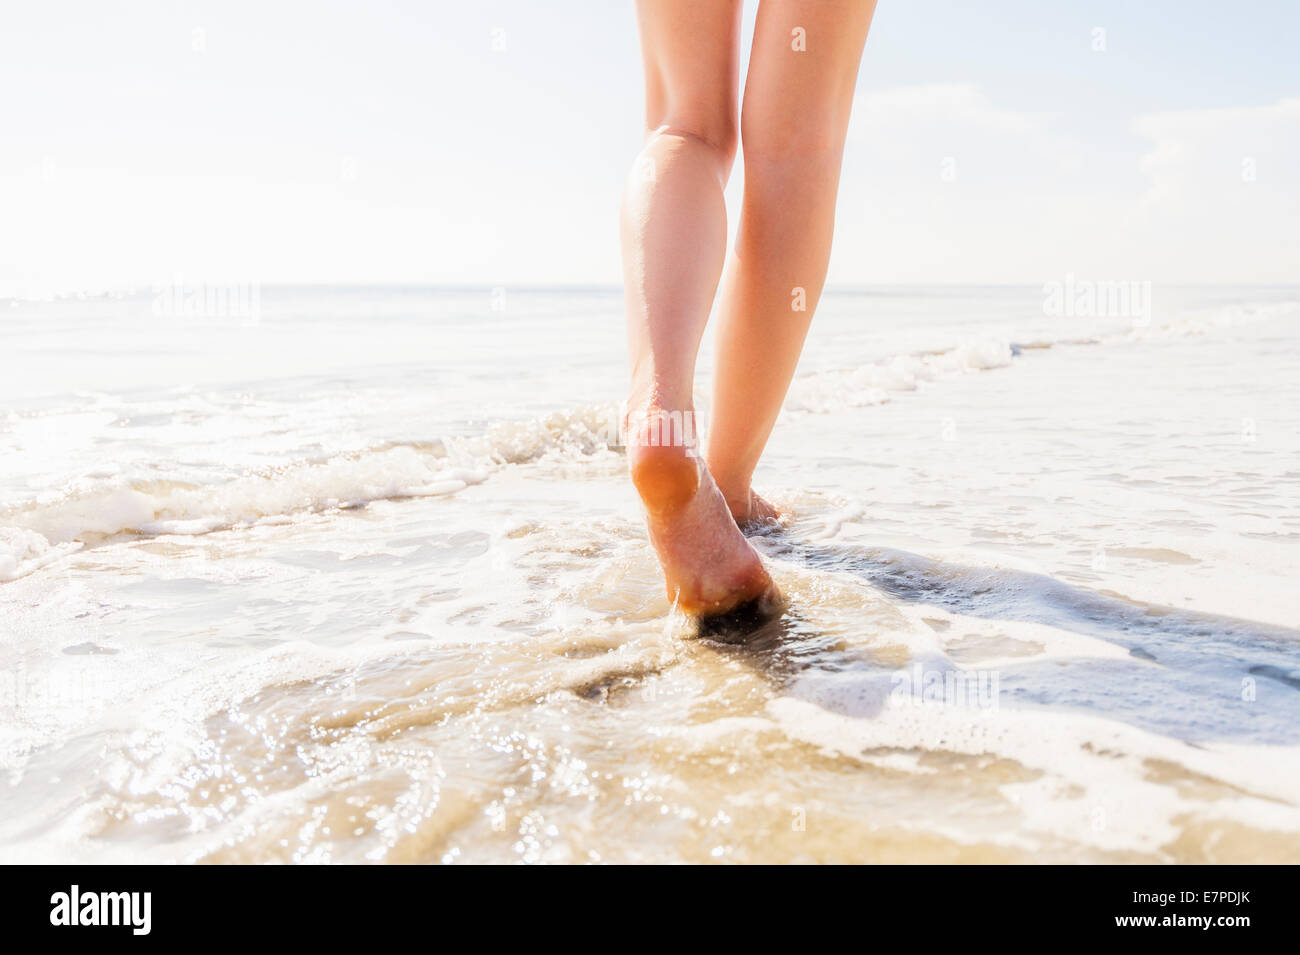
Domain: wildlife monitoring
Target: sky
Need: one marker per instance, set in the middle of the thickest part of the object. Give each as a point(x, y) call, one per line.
point(486, 143)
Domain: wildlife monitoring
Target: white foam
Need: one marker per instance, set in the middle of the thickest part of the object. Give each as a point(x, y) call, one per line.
point(872, 384)
point(574, 433)
point(23, 551)
point(36, 532)
point(875, 383)
point(1207, 322)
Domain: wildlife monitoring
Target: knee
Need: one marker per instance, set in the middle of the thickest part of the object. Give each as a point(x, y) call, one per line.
point(720, 136)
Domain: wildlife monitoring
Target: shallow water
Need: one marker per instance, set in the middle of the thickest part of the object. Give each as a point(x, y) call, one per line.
point(363, 580)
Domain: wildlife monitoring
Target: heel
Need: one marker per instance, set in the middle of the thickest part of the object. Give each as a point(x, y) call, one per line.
point(667, 478)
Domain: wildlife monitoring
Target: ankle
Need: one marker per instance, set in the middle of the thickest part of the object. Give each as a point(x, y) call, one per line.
point(657, 421)
point(738, 496)
point(741, 506)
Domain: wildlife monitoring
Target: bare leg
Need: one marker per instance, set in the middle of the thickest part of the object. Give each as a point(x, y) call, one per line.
point(796, 114)
point(674, 238)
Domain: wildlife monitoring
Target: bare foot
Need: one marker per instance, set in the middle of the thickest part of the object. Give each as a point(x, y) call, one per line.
point(750, 510)
point(709, 567)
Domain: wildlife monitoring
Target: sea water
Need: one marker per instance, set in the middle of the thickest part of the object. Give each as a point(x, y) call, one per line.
point(356, 575)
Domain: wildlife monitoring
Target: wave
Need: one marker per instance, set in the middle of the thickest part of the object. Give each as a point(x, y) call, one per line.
point(38, 532)
point(1203, 323)
point(35, 533)
point(872, 384)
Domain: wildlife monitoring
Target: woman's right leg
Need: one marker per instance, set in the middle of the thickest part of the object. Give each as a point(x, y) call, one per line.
point(674, 238)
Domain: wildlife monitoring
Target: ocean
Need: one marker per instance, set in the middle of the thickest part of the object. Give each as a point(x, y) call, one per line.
point(356, 575)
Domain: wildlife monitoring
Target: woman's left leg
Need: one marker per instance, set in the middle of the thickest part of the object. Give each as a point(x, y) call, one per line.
point(798, 96)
